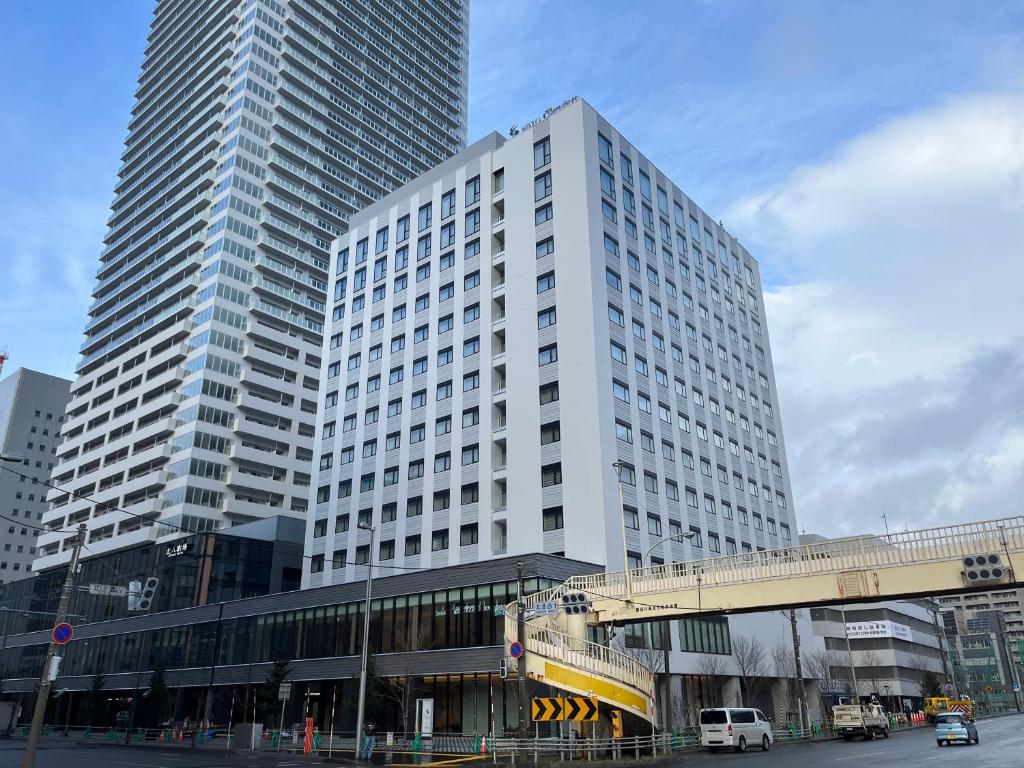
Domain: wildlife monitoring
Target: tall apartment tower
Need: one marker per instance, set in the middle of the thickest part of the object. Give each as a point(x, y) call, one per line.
point(511, 324)
point(259, 127)
point(32, 408)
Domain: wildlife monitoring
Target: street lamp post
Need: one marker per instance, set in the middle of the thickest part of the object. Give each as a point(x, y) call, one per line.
point(665, 634)
point(617, 466)
point(361, 711)
point(675, 537)
point(11, 457)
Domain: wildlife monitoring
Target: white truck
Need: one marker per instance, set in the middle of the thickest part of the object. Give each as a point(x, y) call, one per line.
point(865, 720)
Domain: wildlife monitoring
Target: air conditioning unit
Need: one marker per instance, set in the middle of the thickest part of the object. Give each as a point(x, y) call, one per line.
point(983, 567)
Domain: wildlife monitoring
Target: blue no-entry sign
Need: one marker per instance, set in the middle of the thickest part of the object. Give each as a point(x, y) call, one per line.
point(63, 633)
point(515, 650)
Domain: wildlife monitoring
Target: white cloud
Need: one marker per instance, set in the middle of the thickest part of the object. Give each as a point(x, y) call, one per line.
point(902, 255)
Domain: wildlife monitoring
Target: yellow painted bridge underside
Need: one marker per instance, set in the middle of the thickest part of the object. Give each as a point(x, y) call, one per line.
point(586, 684)
point(842, 571)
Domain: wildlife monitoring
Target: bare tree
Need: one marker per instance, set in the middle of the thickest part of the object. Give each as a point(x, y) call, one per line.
point(823, 666)
point(785, 671)
point(637, 642)
point(652, 658)
point(712, 667)
point(752, 665)
point(871, 671)
point(926, 678)
point(400, 686)
point(640, 646)
point(680, 711)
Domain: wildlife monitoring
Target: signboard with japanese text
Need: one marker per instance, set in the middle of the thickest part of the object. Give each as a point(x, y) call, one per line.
point(858, 630)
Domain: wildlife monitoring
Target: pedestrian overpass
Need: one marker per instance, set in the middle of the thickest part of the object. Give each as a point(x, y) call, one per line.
point(842, 571)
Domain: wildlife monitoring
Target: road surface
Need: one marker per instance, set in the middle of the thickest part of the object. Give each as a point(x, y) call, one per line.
point(1002, 746)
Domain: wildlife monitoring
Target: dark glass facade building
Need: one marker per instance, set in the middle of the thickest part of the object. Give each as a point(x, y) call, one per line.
point(442, 630)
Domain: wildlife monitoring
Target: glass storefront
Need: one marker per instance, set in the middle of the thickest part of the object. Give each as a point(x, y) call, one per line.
point(455, 618)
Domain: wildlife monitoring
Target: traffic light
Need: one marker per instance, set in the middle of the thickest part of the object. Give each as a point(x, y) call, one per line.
point(148, 593)
point(503, 668)
point(134, 592)
point(984, 567)
point(615, 716)
point(575, 603)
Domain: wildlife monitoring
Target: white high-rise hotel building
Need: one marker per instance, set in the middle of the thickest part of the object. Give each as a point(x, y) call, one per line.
point(259, 127)
point(509, 325)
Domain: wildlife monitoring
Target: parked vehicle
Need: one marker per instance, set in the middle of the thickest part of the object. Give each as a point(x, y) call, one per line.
point(864, 720)
point(935, 705)
point(736, 727)
point(955, 728)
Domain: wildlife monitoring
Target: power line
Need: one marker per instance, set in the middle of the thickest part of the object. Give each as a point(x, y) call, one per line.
point(29, 525)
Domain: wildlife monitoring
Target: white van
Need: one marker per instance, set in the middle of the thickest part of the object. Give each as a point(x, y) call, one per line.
point(734, 727)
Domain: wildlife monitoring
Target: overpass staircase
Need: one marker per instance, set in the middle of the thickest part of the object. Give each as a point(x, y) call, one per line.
point(911, 564)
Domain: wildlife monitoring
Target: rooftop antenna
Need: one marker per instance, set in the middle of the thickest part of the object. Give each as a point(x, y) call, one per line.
point(3, 358)
point(886, 521)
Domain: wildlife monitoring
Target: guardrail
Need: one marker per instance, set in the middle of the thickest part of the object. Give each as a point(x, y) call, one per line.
point(575, 748)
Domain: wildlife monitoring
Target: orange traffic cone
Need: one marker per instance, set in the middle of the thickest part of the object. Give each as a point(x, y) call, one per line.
point(161, 736)
point(483, 746)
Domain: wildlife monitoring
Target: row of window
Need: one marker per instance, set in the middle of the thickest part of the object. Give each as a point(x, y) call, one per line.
point(468, 536)
point(628, 476)
point(470, 455)
point(712, 370)
point(624, 432)
point(626, 171)
point(424, 221)
point(631, 519)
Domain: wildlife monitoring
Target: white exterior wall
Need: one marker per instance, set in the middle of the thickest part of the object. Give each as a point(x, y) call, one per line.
point(512, 499)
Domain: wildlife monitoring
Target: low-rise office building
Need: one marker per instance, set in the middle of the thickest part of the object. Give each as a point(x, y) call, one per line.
point(980, 655)
point(32, 408)
point(891, 646)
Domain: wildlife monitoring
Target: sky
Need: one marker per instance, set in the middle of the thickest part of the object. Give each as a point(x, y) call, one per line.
point(870, 155)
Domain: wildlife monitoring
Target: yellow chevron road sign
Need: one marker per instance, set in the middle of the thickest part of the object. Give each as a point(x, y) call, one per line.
point(579, 708)
point(544, 709)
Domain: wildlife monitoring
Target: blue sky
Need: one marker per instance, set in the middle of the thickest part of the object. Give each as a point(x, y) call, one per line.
point(869, 154)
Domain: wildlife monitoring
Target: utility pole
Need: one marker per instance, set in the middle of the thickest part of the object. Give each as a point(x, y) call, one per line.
point(39, 712)
point(666, 647)
point(521, 661)
point(801, 689)
point(361, 710)
point(853, 666)
point(618, 467)
point(940, 635)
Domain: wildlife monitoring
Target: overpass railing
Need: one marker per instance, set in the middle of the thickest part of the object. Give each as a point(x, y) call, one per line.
point(859, 553)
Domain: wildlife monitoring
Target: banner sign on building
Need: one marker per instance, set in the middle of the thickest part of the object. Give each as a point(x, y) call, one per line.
point(859, 630)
